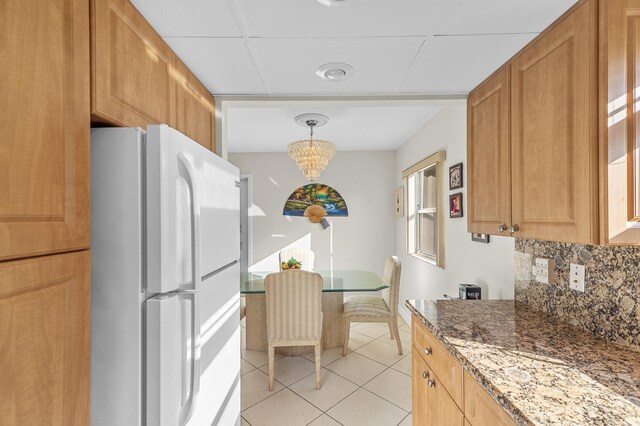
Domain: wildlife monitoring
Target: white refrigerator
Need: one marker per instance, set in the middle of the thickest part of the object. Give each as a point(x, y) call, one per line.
point(165, 244)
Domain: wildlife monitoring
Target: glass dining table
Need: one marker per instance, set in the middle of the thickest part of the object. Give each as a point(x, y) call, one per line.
point(336, 283)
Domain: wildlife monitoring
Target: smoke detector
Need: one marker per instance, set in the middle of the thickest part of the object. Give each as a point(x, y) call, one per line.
point(335, 71)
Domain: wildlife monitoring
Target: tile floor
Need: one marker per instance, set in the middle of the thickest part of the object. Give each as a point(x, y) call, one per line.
point(370, 386)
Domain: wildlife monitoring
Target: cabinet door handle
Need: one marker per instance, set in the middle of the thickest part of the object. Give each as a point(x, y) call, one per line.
point(514, 229)
point(425, 374)
point(502, 228)
point(428, 351)
point(431, 383)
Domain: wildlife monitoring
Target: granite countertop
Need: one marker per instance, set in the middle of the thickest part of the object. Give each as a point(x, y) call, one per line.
point(540, 370)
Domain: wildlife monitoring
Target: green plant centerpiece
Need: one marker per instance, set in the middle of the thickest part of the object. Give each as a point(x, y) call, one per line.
point(291, 264)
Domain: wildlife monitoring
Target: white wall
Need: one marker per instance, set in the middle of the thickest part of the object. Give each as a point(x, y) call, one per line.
point(489, 265)
point(363, 240)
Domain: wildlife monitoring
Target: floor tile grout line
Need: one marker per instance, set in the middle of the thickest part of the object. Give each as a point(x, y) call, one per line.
point(325, 411)
point(371, 359)
point(270, 395)
point(379, 396)
point(384, 399)
point(405, 418)
point(345, 378)
point(242, 410)
point(358, 386)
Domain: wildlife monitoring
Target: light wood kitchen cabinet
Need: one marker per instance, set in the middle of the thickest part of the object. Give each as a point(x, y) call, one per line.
point(130, 67)
point(44, 340)
point(443, 364)
point(137, 80)
point(44, 127)
point(437, 399)
point(554, 133)
point(619, 120)
point(193, 107)
point(489, 155)
point(550, 94)
point(480, 409)
point(432, 405)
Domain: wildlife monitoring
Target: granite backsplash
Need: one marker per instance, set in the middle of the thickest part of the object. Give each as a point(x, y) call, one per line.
point(610, 305)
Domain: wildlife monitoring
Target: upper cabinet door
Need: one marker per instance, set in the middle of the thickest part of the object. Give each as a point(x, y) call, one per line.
point(193, 108)
point(488, 156)
point(44, 127)
point(554, 137)
point(44, 339)
point(620, 122)
point(131, 67)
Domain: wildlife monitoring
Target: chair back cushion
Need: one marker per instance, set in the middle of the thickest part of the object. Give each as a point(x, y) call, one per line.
point(305, 256)
point(294, 305)
point(391, 277)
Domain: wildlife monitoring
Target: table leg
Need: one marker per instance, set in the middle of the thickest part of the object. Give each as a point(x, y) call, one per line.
point(332, 321)
point(256, 322)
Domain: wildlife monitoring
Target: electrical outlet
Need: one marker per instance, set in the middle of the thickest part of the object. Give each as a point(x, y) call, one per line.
point(576, 277)
point(544, 270)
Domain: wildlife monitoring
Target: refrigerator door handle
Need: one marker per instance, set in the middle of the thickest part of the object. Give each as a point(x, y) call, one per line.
point(186, 171)
point(189, 406)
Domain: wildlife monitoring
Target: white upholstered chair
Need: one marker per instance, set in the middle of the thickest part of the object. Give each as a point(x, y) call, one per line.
point(294, 313)
point(305, 256)
point(376, 308)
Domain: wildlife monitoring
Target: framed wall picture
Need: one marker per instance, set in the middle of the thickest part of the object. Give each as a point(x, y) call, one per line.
point(455, 176)
point(400, 201)
point(480, 238)
point(455, 205)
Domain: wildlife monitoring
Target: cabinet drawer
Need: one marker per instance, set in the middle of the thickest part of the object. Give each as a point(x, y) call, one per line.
point(443, 364)
point(432, 404)
point(480, 409)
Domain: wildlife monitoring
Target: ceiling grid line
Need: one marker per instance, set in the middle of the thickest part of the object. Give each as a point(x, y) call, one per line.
point(242, 26)
point(410, 67)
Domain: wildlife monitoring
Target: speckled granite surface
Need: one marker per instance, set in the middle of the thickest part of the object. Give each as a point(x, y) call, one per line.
point(610, 305)
point(539, 369)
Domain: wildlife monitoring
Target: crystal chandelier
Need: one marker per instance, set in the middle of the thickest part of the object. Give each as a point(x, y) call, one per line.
point(311, 156)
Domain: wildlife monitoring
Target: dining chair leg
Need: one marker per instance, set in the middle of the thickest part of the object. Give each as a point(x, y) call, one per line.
point(318, 363)
point(271, 366)
point(396, 333)
point(390, 330)
point(347, 328)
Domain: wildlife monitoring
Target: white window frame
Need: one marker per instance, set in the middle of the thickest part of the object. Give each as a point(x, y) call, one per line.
point(433, 162)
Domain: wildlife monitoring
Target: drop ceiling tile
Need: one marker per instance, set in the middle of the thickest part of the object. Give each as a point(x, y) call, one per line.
point(350, 128)
point(501, 16)
point(356, 18)
point(223, 65)
point(203, 18)
point(289, 65)
point(457, 64)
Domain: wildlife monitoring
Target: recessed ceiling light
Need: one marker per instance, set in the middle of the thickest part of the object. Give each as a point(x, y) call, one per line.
point(332, 3)
point(335, 71)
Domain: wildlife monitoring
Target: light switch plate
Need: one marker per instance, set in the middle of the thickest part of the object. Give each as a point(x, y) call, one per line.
point(576, 277)
point(544, 270)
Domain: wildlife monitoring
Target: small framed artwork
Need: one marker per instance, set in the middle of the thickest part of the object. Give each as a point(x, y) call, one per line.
point(480, 238)
point(400, 201)
point(455, 176)
point(455, 205)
